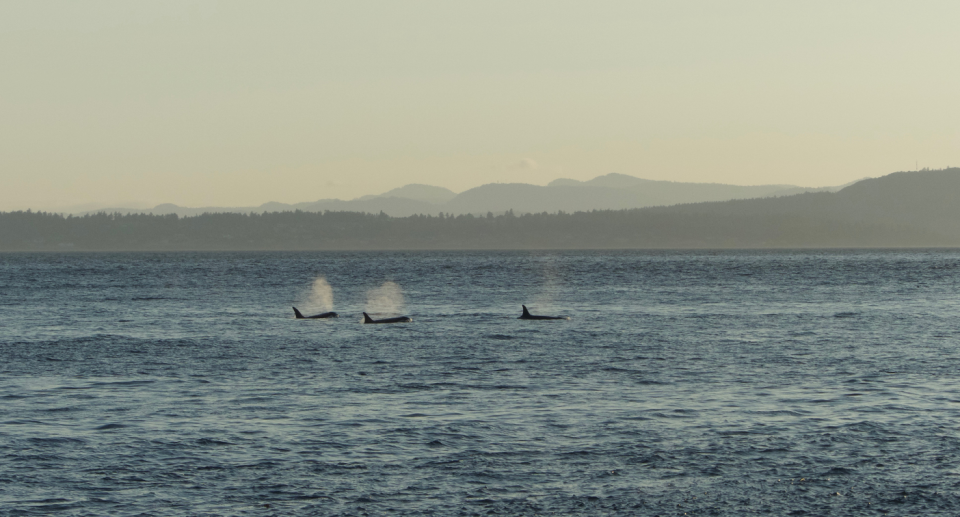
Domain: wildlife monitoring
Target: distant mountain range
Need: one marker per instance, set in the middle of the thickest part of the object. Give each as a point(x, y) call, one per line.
point(901, 209)
point(904, 209)
point(609, 192)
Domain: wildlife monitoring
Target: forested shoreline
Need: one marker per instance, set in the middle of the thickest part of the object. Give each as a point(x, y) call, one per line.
point(623, 229)
point(920, 209)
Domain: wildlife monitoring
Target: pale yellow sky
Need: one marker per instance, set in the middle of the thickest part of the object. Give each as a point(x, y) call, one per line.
point(238, 103)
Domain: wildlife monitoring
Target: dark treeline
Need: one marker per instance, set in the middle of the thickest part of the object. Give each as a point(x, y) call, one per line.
point(899, 210)
point(21, 231)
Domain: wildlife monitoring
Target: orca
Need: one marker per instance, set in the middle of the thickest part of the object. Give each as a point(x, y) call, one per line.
point(315, 316)
point(399, 319)
point(527, 316)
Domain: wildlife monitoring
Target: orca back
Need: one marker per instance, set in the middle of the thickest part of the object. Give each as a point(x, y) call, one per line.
point(527, 316)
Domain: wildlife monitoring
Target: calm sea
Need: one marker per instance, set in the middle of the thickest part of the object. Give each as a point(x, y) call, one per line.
point(697, 383)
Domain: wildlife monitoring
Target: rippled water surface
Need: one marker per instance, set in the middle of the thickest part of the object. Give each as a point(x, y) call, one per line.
point(698, 383)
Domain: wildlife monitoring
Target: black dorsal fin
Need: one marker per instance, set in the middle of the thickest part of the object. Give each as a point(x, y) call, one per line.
point(297, 313)
point(367, 318)
point(525, 311)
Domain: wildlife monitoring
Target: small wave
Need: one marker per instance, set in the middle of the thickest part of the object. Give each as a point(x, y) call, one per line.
point(62, 440)
point(672, 415)
point(846, 315)
point(45, 501)
point(775, 412)
point(107, 427)
point(211, 441)
point(839, 471)
point(445, 384)
point(120, 384)
point(577, 453)
point(415, 386)
point(484, 387)
point(250, 400)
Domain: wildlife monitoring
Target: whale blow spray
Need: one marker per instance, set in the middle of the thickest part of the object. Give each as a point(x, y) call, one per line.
point(386, 299)
point(321, 295)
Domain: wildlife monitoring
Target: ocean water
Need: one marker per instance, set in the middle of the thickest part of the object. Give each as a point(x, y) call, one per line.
point(685, 383)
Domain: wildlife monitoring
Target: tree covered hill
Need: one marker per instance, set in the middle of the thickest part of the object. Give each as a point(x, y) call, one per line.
point(916, 209)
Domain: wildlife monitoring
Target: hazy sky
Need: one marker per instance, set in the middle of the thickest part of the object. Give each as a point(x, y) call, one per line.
point(238, 103)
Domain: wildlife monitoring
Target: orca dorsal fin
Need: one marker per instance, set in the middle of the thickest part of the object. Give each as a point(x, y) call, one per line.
point(367, 318)
point(525, 311)
point(297, 313)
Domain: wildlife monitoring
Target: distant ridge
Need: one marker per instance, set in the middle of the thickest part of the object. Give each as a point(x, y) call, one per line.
point(905, 209)
point(608, 192)
point(418, 192)
point(615, 180)
point(925, 201)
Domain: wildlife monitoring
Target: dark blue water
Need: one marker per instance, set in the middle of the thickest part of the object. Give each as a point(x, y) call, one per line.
point(698, 383)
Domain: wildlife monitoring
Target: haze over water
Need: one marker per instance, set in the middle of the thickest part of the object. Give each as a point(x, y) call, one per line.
point(707, 383)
